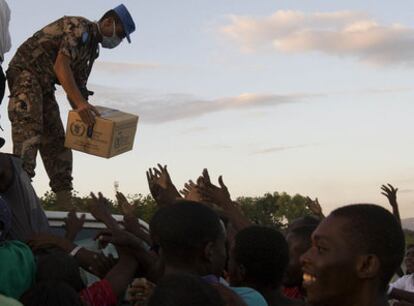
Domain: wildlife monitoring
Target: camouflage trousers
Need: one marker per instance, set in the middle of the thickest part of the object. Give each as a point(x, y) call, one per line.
point(36, 126)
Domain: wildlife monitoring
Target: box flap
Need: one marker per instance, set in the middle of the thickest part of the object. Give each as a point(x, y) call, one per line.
point(114, 114)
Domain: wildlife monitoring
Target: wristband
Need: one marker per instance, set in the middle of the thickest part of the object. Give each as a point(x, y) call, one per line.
point(75, 251)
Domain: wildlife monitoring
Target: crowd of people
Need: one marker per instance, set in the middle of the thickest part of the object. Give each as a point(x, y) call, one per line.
point(199, 249)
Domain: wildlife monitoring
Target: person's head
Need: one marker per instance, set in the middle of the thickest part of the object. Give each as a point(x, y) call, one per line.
point(302, 221)
point(355, 251)
point(115, 25)
point(191, 236)
point(5, 219)
point(258, 258)
point(299, 241)
point(184, 289)
point(59, 266)
point(409, 259)
point(6, 172)
point(52, 293)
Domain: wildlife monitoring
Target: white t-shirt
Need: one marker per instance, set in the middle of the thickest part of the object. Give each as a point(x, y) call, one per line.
point(5, 40)
point(405, 283)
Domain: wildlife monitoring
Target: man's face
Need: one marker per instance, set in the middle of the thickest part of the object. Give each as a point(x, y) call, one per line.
point(409, 260)
point(329, 266)
point(107, 28)
point(297, 247)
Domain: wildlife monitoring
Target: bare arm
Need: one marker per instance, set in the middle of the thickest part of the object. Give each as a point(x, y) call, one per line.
point(123, 239)
point(65, 76)
point(399, 294)
point(98, 207)
point(391, 194)
point(161, 186)
point(315, 207)
point(220, 196)
point(121, 275)
point(93, 262)
point(73, 225)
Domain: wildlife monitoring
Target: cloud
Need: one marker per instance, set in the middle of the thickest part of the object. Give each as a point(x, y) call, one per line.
point(118, 67)
point(194, 130)
point(342, 33)
point(280, 149)
point(161, 108)
point(155, 107)
point(215, 147)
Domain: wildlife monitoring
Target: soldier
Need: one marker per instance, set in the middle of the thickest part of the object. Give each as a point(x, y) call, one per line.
point(61, 53)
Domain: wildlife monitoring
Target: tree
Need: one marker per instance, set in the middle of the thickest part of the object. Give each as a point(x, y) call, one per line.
point(272, 209)
point(145, 206)
point(275, 209)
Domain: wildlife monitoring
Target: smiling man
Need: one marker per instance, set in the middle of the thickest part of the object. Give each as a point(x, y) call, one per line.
point(355, 252)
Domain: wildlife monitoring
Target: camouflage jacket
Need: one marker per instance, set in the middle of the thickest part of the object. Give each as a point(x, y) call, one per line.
point(76, 37)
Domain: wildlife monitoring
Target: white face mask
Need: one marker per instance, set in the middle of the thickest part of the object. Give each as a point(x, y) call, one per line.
point(110, 42)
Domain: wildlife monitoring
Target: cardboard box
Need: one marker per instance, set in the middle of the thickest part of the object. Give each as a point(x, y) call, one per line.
point(112, 134)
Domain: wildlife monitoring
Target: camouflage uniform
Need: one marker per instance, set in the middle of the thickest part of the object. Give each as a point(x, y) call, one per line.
point(33, 110)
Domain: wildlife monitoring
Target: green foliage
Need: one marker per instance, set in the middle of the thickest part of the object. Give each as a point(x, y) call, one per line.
point(145, 206)
point(409, 237)
point(274, 210)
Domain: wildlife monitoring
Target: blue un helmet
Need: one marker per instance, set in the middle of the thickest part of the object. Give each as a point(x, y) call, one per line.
point(126, 19)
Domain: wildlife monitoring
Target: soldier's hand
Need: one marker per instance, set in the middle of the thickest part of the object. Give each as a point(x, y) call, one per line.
point(87, 112)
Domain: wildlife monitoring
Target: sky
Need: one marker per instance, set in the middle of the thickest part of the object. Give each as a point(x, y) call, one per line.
point(308, 97)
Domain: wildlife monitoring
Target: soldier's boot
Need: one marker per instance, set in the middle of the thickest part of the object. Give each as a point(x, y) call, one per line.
point(64, 200)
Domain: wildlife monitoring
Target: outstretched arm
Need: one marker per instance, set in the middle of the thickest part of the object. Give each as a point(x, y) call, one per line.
point(73, 225)
point(161, 186)
point(131, 222)
point(403, 295)
point(65, 76)
point(220, 196)
point(314, 207)
point(99, 208)
point(123, 239)
point(391, 194)
point(96, 263)
point(121, 275)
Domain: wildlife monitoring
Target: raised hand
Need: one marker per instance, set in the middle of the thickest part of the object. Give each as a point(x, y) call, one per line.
point(120, 238)
point(214, 194)
point(220, 196)
point(73, 224)
point(99, 208)
point(314, 207)
point(191, 192)
point(161, 186)
point(391, 193)
point(126, 208)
